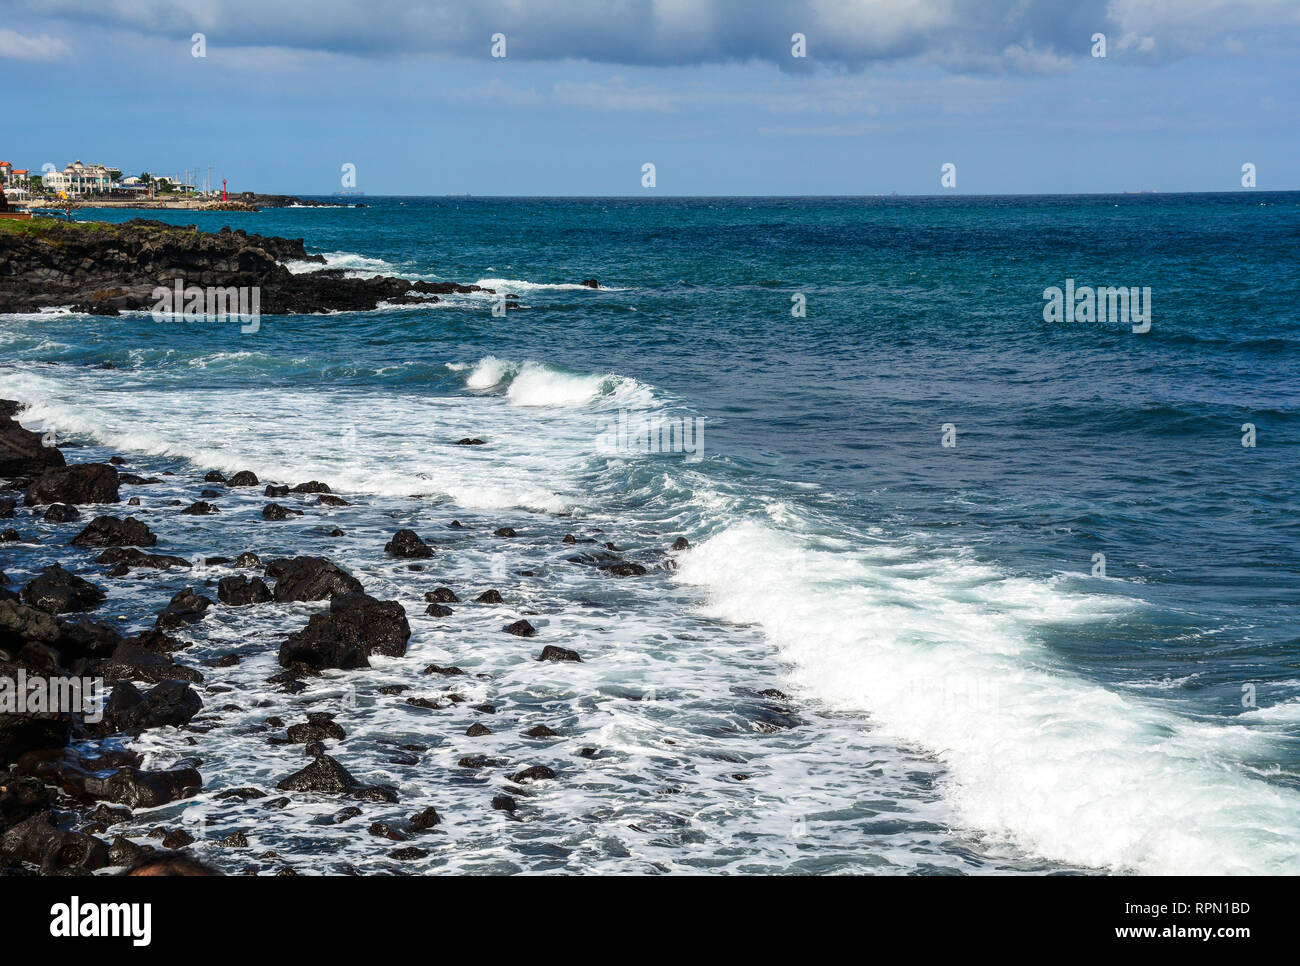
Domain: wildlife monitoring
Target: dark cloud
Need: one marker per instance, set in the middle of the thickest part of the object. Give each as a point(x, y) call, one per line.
point(1025, 36)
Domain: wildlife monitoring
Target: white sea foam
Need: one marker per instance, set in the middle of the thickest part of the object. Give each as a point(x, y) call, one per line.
point(519, 285)
point(946, 657)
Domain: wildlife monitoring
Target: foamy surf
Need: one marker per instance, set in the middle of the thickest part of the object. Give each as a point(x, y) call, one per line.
point(534, 384)
point(946, 657)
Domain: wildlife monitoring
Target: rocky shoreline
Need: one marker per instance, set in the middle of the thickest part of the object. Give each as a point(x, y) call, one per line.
point(67, 778)
point(104, 269)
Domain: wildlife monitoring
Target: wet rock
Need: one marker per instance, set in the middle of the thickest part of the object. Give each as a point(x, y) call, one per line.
point(310, 578)
point(171, 703)
point(356, 626)
point(328, 499)
point(127, 785)
point(56, 851)
point(441, 595)
point(520, 628)
point(79, 484)
point(504, 532)
point(186, 607)
point(239, 591)
point(541, 731)
point(552, 653)
point(86, 638)
point(407, 543)
point(438, 610)
point(314, 749)
point(247, 560)
point(212, 476)
point(274, 491)
point(343, 814)
point(589, 283)
point(427, 703)
point(243, 478)
point(447, 671)
point(56, 591)
point(312, 486)
point(681, 543)
point(318, 727)
point(209, 495)
point(130, 662)
point(274, 511)
point(325, 775)
point(61, 513)
point(477, 730)
point(385, 831)
point(623, 569)
point(408, 854)
point(235, 840)
point(10, 535)
point(489, 597)
point(201, 508)
point(177, 839)
point(469, 441)
point(7, 507)
point(425, 820)
point(132, 479)
point(129, 557)
point(504, 803)
point(111, 532)
point(23, 452)
point(569, 538)
point(534, 774)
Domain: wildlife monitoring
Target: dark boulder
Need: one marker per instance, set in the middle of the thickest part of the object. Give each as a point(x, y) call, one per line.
point(328, 776)
point(312, 486)
point(328, 499)
point(56, 591)
point(407, 543)
point(201, 508)
point(681, 543)
point(272, 490)
point(534, 774)
point(442, 595)
point(589, 283)
point(23, 452)
point(552, 653)
point(239, 591)
point(520, 628)
point(131, 662)
point(213, 476)
point(129, 557)
point(310, 578)
point(243, 478)
point(57, 851)
point(540, 731)
point(167, 703)
point(78, 484)
point(356, 626)
point(186, 607)
point(467, 441)
point(61, 513)
point(489, 597)
point(438, 610)
point(112, 532)
point(504, 532)
point(274, 511)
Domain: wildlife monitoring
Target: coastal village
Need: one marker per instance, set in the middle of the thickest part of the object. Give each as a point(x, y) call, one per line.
point(82, 181)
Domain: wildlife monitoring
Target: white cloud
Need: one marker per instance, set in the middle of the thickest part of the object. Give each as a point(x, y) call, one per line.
point(22, 47)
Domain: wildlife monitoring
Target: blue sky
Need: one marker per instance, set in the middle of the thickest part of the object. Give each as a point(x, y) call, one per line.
point(1007, 90)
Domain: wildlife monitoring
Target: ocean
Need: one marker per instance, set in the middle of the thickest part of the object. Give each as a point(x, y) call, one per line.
point(968, 591)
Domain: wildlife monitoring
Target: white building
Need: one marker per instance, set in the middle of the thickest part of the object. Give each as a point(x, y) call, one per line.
point(79, 179)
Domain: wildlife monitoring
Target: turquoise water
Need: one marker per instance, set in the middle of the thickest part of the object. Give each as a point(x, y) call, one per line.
point(967, 691)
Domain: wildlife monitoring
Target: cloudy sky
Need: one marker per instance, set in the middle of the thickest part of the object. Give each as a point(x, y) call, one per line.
point(709, 91)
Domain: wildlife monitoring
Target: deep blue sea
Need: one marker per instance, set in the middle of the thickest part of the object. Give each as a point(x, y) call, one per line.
point(965, 688)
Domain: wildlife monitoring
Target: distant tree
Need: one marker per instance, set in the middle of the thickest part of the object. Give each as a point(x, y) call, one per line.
point(146, 177)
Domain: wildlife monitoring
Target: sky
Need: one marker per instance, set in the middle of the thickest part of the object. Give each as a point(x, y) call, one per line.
point(711, 92)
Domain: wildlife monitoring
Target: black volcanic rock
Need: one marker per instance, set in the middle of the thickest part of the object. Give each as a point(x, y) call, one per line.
point(356, 627)
point(112, 532)
point(552, 653)
point(520, 628)
point(22, 451)
point(239, 591)
point(109, 268)
point(77, 484)
point(56, 591)
point(61, 513)
point(407, 543)
point(274, 511)
point(310, 578)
